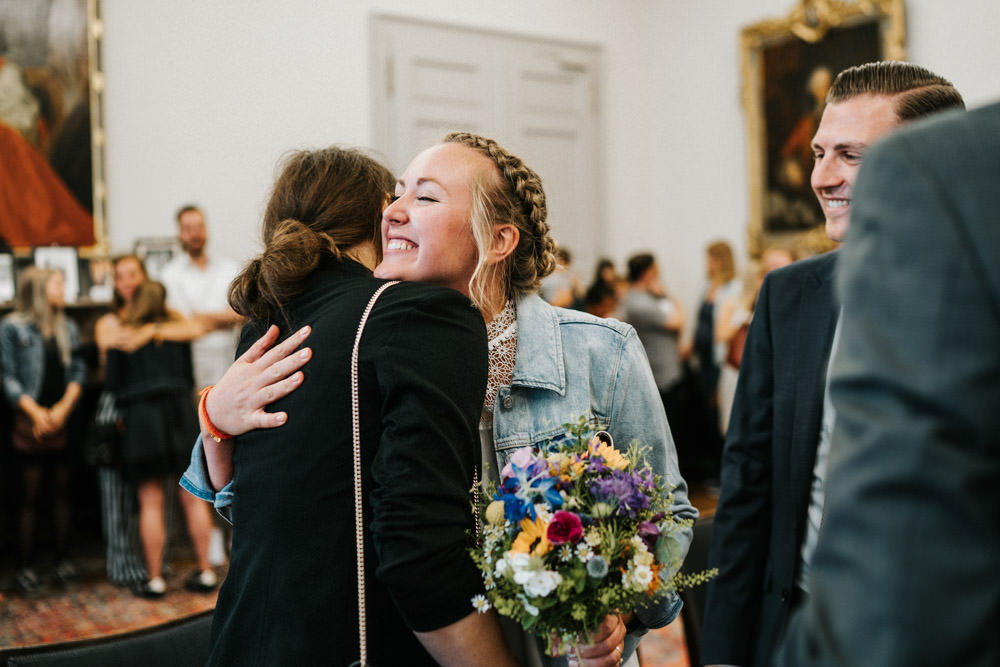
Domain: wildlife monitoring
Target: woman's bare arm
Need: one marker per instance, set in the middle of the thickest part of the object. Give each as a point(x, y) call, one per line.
point(470, 641)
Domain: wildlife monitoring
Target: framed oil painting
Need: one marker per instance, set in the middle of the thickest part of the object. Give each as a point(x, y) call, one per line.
point(51, 137)
point(788, 65)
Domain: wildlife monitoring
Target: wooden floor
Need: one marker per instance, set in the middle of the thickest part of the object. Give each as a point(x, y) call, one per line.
point(704, 499)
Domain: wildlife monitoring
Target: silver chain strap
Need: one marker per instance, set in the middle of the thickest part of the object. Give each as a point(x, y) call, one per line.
point(475, 505)
point(359, 538)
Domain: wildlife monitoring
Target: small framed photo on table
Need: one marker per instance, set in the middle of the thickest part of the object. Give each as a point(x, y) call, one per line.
point(156, 252)
point(64, 259)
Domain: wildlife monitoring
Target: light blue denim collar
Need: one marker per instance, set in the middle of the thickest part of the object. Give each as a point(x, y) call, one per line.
point(539, 361)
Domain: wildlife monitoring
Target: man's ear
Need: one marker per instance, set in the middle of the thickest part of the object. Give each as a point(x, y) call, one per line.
point(505, 238)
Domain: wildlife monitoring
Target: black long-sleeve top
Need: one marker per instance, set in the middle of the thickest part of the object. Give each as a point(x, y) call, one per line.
point(290, 594)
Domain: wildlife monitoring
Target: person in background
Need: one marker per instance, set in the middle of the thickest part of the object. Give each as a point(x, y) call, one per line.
point(605, 292)
point(152, 386)
point(119, 515)
point(733, 322)
point(905, 568)
point(723, 285)
point(601, 300)
point(604, 272)
point(43, 376)
point(771, 507)
point(562, 287)
point(469, 215)
point(658, 319)
point(198, 288)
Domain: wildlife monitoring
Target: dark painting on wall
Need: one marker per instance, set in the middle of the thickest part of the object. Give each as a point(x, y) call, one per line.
point(797, 76)
point(48, 124)
point(788, 66)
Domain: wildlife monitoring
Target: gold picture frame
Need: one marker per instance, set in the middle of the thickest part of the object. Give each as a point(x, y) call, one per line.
point(787, 63)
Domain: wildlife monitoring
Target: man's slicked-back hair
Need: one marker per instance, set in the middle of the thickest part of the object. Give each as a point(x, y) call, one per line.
point(918, 91)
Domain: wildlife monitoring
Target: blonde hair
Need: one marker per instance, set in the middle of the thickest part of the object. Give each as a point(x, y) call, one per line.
point(31, 305)
point(512, 195)
point(722, 252)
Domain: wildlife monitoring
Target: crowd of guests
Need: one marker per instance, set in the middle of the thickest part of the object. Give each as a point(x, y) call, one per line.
point(159, 338)
point(840, 427)
point(695, 361)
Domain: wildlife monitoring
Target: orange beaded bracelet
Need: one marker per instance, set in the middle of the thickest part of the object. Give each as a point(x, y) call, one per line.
point(216, 434)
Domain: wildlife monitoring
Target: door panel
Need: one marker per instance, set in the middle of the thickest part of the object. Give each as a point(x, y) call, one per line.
point(539, 99)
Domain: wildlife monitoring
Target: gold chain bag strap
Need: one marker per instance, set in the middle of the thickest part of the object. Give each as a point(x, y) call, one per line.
point(359, 538)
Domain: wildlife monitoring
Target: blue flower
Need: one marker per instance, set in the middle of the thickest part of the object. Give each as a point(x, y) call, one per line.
point(526, 486)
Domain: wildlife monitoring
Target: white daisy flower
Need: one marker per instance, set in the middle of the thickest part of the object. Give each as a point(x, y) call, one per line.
point(481, 604)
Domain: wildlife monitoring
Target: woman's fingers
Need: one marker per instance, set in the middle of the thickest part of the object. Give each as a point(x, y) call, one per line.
point(279, 389)
point(261, 375)
point(285, 349)
point(260, 346)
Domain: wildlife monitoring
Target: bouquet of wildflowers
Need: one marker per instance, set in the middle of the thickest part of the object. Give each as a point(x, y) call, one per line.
point(575, 533)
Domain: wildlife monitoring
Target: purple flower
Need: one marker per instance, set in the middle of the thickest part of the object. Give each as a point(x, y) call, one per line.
point(625, 490)
point(649, 532)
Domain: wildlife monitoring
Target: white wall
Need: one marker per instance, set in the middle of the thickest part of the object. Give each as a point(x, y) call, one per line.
point(203, 97)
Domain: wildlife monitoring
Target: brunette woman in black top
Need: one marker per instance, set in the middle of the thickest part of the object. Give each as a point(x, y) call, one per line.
point(290, 595)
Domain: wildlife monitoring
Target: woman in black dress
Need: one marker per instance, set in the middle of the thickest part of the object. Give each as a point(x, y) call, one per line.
point(153, 385)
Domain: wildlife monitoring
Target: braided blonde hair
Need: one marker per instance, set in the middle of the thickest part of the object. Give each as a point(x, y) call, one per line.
point(515, 197)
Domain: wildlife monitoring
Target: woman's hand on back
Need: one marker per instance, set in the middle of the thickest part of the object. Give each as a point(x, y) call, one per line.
point(260, 376)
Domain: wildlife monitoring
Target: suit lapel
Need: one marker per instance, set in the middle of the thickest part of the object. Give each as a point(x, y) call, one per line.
point(816, 322)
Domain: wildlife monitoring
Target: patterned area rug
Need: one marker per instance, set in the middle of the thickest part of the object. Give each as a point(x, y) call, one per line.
point(94, 609)
point(97, 608)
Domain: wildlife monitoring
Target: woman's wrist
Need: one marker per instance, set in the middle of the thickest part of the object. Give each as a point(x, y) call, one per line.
point(206, 423)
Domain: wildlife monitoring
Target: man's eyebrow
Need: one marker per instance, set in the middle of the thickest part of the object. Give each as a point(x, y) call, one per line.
point(844, 145)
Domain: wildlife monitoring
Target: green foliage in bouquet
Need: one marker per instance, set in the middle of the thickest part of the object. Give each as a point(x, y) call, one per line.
point(575, 532)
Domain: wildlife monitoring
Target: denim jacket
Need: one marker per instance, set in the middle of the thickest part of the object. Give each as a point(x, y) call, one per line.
point(568, 364)
point(22, 352)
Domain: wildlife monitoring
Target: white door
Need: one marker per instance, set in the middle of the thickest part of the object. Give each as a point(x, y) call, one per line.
point(539, 99)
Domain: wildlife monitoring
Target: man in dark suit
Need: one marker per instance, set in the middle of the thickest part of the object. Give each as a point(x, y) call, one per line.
point(905, 572)
point(774, 462)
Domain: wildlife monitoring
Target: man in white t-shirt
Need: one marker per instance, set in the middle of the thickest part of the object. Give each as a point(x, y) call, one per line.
point(199, 287)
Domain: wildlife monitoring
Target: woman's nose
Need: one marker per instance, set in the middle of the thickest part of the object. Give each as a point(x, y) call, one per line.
point(395, 212)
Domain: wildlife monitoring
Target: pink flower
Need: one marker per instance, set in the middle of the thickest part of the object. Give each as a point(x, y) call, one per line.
point(564, 527)
point(522, 458)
